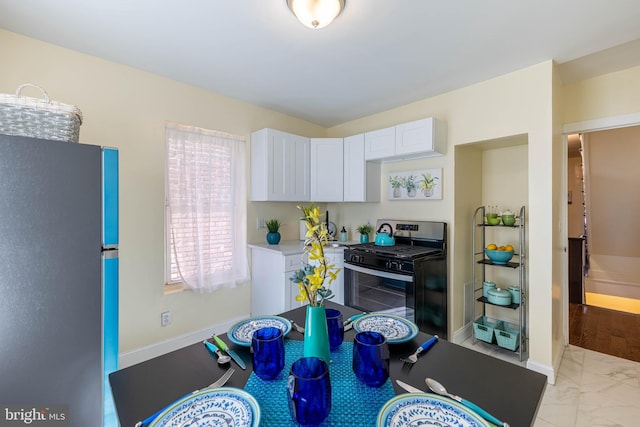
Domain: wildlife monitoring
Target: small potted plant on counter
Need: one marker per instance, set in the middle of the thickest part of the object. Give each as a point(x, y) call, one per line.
point(364, 231)
point(273, 236)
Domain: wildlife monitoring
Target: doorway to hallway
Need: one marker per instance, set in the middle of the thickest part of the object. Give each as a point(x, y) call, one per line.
point(606, 331)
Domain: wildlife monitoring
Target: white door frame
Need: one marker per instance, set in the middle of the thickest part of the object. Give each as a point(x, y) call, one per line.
point(605, 123)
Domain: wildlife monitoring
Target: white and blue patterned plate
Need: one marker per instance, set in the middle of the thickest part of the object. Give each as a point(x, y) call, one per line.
point(217, 407)
point(395, 329)
point(242, 332)
point(425, 409)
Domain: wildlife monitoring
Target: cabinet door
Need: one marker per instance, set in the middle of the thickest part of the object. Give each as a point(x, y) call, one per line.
point(379, 144)
point(414, 137)
point(270, 177)
point(297, 166)
point(268, 295)
point(292, 263)
point(326, 169)
point(279, 166)
point(354, 169)
point(424, 137)
point(336, 257)
point(361, 178)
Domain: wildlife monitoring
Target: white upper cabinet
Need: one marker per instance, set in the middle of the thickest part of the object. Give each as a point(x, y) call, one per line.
point(326, 169)
point(421, 138)
point(279, 166)
point(361, 178)
point(380, 144)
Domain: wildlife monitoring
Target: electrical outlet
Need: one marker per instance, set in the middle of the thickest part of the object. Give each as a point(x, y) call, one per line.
point(260, 222)
point(165, 318)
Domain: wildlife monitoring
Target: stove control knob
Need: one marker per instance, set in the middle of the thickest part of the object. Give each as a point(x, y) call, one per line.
point(393, 265)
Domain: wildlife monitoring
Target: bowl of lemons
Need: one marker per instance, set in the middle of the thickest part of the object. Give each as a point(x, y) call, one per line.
point(499, 254)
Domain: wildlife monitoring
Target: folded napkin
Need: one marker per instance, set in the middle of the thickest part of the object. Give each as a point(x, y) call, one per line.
point(352, 403)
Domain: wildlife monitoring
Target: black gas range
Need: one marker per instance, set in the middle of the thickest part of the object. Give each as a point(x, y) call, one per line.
point(408, 278)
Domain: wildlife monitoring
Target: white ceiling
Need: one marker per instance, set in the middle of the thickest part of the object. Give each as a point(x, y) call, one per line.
point(377, 55)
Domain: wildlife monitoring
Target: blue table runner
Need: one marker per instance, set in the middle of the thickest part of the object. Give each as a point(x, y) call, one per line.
point(352, 403)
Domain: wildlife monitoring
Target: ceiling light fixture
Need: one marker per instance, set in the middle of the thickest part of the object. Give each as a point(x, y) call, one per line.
point(316, 13)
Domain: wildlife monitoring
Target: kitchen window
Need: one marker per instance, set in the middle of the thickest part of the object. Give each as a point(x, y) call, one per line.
point(205, 203)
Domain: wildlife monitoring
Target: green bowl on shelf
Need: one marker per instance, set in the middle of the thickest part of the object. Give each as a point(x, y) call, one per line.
point(509, 220)
point(493, 220)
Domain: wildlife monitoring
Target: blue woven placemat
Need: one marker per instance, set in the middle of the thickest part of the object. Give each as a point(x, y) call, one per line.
point(352, 403)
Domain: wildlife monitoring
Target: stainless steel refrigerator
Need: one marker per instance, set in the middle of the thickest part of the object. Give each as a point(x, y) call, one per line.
point(58, 282)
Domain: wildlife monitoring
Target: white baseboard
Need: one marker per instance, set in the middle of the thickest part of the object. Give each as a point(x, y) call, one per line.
point(462, 334)
point(543, 369)
point(157, 349)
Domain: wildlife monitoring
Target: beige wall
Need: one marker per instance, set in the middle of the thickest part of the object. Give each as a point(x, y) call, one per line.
point(518, 103)
point(613, 192)
point(127, 109)
point(610, 95)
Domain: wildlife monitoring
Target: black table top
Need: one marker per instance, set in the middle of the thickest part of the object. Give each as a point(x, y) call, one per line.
point(509, 392)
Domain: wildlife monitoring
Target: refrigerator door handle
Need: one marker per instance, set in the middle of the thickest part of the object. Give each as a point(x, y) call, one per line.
point(110, 252)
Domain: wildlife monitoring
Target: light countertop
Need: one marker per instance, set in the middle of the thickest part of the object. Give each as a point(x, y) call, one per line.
point(292, 247)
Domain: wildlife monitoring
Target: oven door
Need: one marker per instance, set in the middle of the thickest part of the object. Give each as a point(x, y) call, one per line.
point(371, 290)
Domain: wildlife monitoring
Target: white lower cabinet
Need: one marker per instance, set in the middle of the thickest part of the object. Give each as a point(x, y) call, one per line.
point(271, 290)
point(335, 256)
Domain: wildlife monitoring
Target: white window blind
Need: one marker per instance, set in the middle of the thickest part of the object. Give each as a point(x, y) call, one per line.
point(206, 208)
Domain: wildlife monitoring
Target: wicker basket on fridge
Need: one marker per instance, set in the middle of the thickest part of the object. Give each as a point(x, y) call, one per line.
point(38, 117)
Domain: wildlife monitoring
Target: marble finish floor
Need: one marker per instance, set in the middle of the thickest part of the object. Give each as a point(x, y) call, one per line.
point(591, 389)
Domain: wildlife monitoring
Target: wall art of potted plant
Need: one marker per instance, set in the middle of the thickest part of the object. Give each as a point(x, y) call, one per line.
point(409, 183)
point(427, 184)
point(364, 231)
point(397, 184)
point(273, 236)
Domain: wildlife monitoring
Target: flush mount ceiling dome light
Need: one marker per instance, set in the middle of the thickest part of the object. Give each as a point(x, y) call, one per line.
point(316, 13)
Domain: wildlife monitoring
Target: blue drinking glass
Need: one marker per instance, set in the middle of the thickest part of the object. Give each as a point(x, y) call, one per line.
point(335, 327)
point(371, 358)
point(309, 391)
point(267, 348)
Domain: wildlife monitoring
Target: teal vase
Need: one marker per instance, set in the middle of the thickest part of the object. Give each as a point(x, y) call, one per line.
point(273, 238)
point(316, 334)
point(364, 238)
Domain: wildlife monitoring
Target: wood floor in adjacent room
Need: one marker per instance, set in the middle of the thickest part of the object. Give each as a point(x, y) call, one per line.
point(606, 331)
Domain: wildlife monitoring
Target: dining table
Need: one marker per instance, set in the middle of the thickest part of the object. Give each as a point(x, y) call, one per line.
point(506, 390)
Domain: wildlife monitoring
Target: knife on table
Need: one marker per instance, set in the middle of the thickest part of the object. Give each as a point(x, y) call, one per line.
point(408, 387)
point(348, 324)
point(235, 356)
point(484, 414)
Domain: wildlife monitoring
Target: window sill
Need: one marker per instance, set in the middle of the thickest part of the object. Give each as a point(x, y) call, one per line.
point(174, 288)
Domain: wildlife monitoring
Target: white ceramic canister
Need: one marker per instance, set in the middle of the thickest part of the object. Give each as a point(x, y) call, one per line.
point(303, 230)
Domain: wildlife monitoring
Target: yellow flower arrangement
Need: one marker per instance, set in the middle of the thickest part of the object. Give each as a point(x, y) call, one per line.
point(312, 276)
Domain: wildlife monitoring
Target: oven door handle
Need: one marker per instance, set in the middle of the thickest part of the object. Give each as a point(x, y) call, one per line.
point(378, 273)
